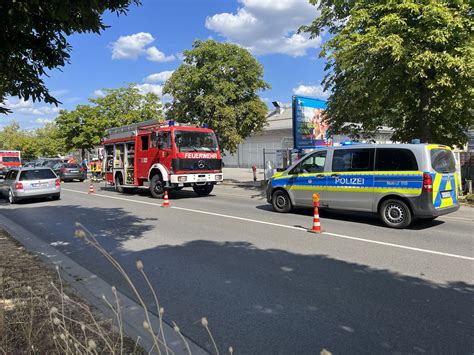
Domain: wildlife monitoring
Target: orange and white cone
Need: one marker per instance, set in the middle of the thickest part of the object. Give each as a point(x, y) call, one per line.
point(166, 201)
point(91, 188)
point(316, 221)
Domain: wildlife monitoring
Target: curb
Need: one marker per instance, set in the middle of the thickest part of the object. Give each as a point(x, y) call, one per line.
point(92, 289)
point(257, 185)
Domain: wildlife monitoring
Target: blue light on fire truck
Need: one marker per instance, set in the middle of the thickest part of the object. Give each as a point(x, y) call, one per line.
point(171, 123)
point(205, 125)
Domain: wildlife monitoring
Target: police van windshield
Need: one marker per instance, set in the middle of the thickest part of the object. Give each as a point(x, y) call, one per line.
point(193, 141)
point(442, 161)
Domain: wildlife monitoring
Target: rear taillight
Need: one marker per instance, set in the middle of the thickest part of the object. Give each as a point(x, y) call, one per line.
point(63, 170)
point(18, 186)
point(58, 183)
point(427, 183)
point(81, 169)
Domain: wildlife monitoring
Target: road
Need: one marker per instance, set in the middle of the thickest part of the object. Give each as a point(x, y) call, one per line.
point(265, 284)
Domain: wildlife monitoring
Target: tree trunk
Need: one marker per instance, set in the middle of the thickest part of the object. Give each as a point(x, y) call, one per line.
point(424, 124)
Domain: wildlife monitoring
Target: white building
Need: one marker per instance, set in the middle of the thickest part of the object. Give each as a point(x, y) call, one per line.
point(278, 134)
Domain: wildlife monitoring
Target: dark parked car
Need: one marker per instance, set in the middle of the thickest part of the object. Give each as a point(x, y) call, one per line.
point(70, 172)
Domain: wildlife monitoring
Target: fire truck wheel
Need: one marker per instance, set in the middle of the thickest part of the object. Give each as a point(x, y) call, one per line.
point(156, 187)
point(118, 183)
point(203, 190)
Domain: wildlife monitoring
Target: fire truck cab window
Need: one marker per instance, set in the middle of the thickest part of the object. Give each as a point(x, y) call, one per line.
point(193, 141)
point(164, 140)
point(144, 142)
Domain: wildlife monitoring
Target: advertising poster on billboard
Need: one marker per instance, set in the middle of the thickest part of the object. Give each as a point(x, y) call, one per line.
point(309, 128)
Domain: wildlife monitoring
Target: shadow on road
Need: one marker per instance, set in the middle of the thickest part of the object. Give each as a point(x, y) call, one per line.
point(269, 301)
point(353, 216)
point(272, 301)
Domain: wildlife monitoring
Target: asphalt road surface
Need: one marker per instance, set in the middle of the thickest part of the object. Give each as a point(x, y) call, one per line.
point(265, 284)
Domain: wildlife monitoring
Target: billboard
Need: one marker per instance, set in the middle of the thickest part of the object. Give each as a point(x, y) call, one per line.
point(309, 128)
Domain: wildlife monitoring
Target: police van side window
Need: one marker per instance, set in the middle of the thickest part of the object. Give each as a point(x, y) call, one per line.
point(314, 163)
point(395, 159)
point(353, 160)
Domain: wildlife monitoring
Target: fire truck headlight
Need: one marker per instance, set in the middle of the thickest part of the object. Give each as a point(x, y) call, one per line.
point(218, 177)
point(182, 178)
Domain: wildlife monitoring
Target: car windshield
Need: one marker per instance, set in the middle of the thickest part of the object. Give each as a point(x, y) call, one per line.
point(39, 174)
point(193, 141)
point(11, 159)
point(71, 166)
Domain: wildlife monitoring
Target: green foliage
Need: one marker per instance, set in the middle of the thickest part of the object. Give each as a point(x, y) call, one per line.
point(217, 84)
point(49, 141)
point(405, 64)
point(33, 36)
point(80, 128)
point(41, 142)
point(84, 127)
point(12, 138)
point(126, 105)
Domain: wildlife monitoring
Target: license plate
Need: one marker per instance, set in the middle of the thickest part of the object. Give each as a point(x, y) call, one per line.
point(39, 185)
point(74, 171)
point(446, 194)
point(201, 179)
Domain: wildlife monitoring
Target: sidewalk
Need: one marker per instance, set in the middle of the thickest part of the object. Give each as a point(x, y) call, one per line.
point(242, 177)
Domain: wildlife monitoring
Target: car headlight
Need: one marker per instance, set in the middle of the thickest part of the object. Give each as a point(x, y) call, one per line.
point(218, 177)
point(182, 178)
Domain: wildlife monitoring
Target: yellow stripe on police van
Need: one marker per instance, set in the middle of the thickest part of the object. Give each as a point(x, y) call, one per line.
point(355, 189)
point(446, 202)
point(388, 173)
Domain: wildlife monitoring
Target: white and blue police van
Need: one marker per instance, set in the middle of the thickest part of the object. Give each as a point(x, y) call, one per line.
point(399, 182)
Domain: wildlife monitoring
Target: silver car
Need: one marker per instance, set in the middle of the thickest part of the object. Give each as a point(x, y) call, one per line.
point(34, 182)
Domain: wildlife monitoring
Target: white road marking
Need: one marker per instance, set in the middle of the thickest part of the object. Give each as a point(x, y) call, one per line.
point(459, 218)
point(399, 246)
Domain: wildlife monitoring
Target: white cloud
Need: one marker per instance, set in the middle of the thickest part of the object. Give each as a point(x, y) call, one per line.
point(135, 45)
point(131, 47)
point(100, 93)
point(28, 107)
point(154, 88)
point(160, 77)
point(59, 93)
point(155, 55)
point(316, 91)
point(43, 120)
point(268, 26)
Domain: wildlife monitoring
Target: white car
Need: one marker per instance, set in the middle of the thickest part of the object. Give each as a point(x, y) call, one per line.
point(23, 183)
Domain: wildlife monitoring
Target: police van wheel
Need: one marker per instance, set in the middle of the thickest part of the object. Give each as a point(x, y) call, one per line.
point(157, 188)
point(395, 214)
point(281, 201)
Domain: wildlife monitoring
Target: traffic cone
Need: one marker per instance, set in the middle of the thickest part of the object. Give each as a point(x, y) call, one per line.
point(166, 201)
point(316, 221)
point(91, 188)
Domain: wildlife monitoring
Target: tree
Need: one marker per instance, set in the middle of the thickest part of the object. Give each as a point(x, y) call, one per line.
point(80, 128)
point(217, 84)
point(406, 64)
point(127, 105)
point(34, 34)
point(50, 143)
point(12, 138)
point(84, 127)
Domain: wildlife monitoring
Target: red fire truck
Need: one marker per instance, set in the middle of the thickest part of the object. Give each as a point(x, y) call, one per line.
point(8, 160)
point(162, 155)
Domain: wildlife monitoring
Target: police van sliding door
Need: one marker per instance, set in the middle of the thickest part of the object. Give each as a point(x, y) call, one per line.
point(350, 185)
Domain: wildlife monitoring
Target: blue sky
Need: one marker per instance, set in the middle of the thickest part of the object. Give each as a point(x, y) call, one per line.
point(145, 46)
